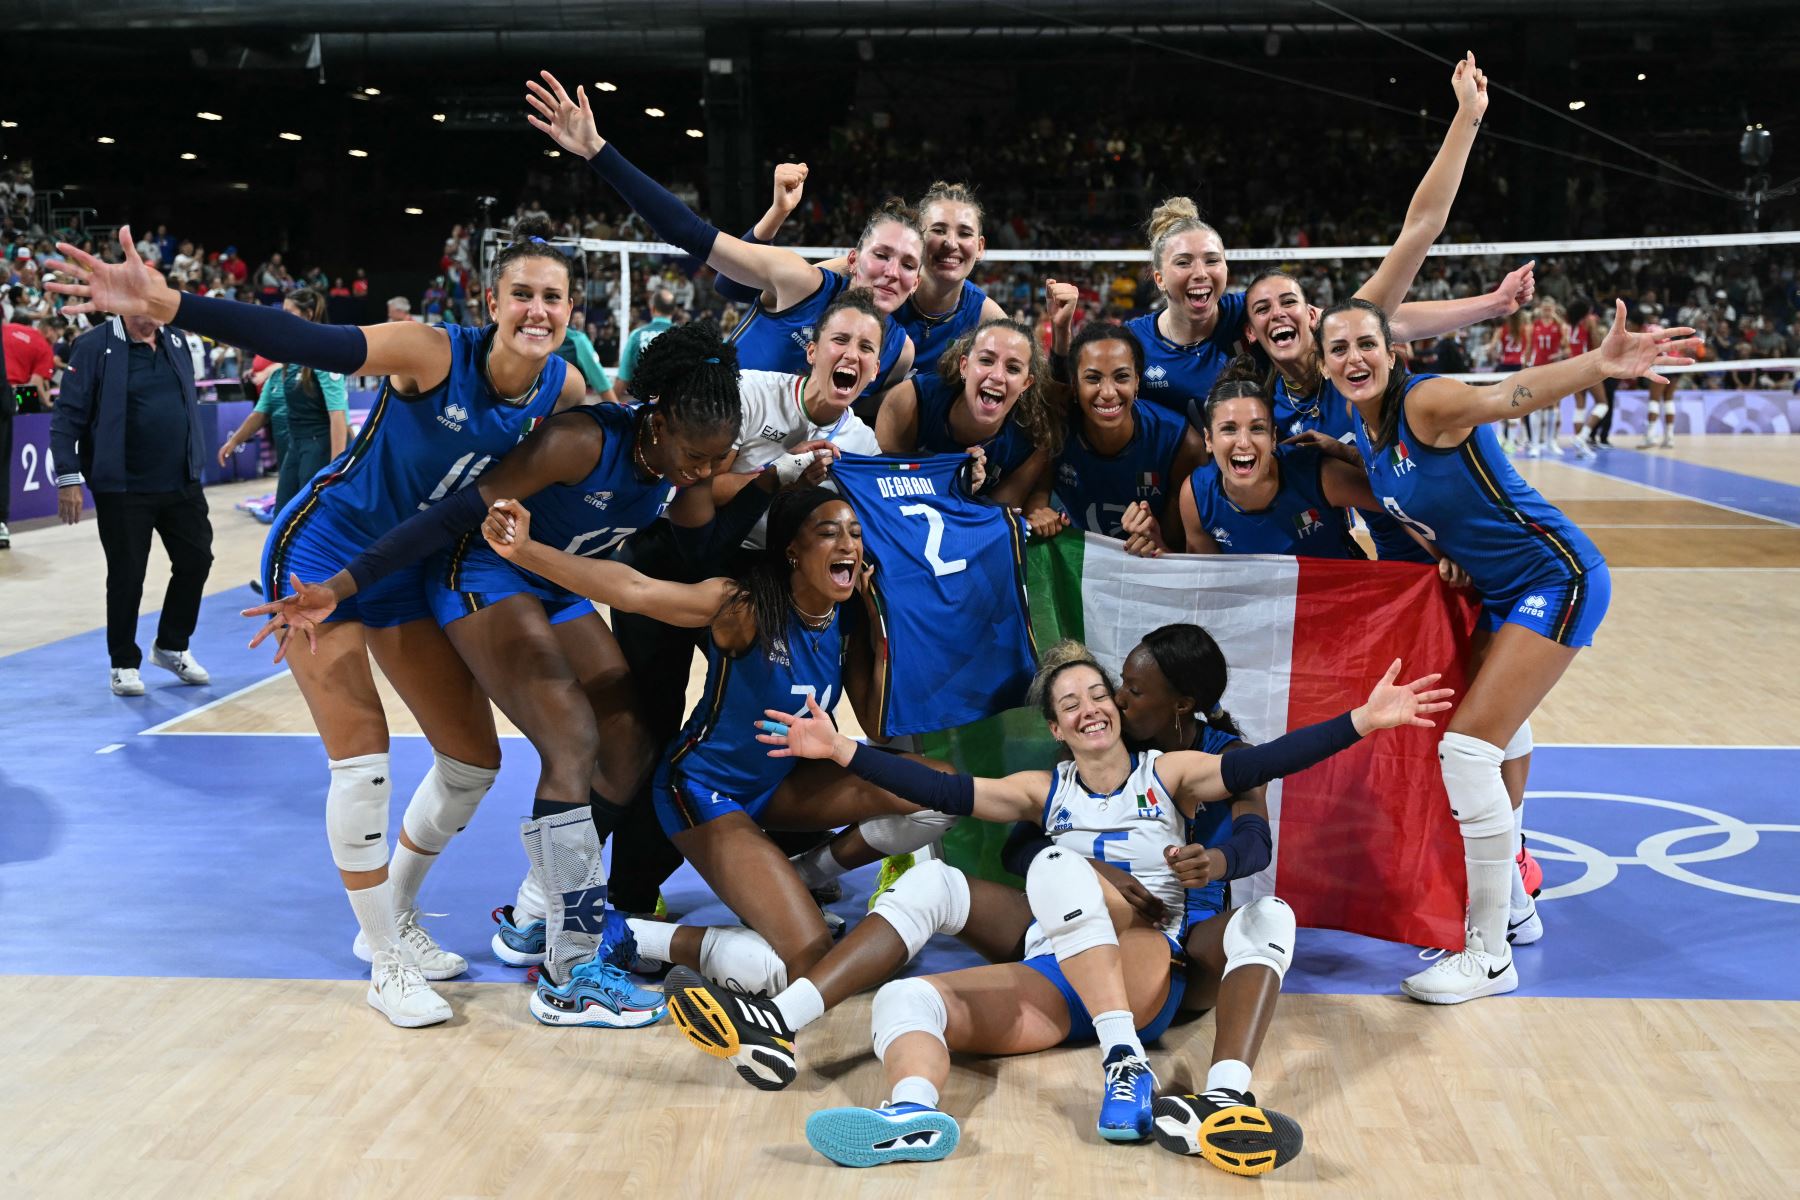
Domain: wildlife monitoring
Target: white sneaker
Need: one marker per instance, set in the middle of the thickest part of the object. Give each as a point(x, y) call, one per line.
point(1533, 450)
point(433, 960)
point(399, 992)
point(126, 681)
point(1649, 441)
point(1526, 929)
point(1584, 449)
point(5, 537)
point(1469, 974)
point(181, 664)
point(1668, 442)
point(1555, 449)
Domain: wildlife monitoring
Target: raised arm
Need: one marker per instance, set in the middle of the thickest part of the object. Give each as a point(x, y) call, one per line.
point(1430, 207)
point(1434, 318)
point(790, 184)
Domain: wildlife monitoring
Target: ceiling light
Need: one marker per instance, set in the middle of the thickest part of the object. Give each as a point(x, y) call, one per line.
point(9, 124)
point(188, 156)
point(242, 187)
point(1391, 79)
point(290, 137)
point(654, 112)
point(1577, 105)
point(104, 141)
point(438, 117)
point(415, 212)
point(359, 154)
point(1642, 77)
point(371, 91)
point(607, 87)
point(553, 154)
point(209, 116)
point(696, 133)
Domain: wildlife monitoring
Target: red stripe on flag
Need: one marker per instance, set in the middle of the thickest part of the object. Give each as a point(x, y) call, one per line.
point(1367, 842)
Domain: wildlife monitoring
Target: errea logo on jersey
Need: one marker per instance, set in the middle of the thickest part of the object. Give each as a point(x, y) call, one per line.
point(1156, 376)
point(598, 499)
point(1067, 475)
point(1221, 535)
point(1535, 605)
point(453, 416)
point(1063, 822)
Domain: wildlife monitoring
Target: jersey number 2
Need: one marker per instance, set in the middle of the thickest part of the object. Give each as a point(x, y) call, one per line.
point(934, 539)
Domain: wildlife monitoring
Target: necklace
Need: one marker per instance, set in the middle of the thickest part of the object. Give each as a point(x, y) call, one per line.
point(488, 374)
point(812, 620)
point(637, 447)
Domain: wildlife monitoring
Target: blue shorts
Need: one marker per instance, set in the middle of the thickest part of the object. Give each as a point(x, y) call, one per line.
point(1081, 1023)
point(682, 804)
point(472, 577)
point(1567, 611)
point(306, 540)
point(1203, 904)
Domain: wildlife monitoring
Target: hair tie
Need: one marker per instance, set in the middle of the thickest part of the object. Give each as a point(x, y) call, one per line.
point(540, 241)
point(1217, 710)
point(714, 360)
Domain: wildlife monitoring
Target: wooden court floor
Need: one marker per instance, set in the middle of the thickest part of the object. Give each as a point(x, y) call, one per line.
point(201, 1088)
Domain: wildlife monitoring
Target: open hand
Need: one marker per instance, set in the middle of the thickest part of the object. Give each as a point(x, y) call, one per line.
point(570, 123)
point(799, 735)
point(1626, 355)
point(302, 611)
point(130, 288)
point(1391, 705)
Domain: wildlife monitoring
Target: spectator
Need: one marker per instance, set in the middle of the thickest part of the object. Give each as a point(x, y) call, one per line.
point(662, 316)
point(578, 350)
point(400, 309)
point(129, 416)
point(235, 269)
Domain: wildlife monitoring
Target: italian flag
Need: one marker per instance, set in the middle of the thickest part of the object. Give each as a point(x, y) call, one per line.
point(1363, 842)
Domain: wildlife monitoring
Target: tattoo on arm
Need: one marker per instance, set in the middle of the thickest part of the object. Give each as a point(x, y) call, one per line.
point(1519, 394)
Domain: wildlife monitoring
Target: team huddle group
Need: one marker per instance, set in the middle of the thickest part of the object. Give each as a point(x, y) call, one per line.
point(832, 503)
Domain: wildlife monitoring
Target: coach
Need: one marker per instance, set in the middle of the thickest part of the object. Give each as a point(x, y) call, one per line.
point(129, 415)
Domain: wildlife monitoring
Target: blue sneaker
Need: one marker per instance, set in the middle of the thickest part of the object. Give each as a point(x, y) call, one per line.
point(868, 1137)
point(1125, 1109)
point(516, 946)
point(597, 994)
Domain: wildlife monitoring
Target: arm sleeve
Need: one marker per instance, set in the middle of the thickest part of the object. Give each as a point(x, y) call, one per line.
point(915, 782)
point(418, 536)
point(335, 391)
point(274, 334)
point(731, 289)
point(672, 220)
point(1297, 750)
point(1249, 848)
point(1024, 843)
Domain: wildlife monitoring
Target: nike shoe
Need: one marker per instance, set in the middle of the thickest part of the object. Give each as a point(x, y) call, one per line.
point(745, 1031)
point(1522, 929)
point(597, 995)
point(514, 944)
point(1229, 1130)
point(435, 962)
point(1125, 1105)
point(398, 991)
point(868, 1137)
point(1471, 973)
point(1529, 871)
point(125, 681)
point(181, 664)
point(892, 868)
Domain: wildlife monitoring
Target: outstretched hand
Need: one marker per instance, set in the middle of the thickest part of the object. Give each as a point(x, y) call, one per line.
point(1391, 705)
point(301, 611)
point(570, 123)
point(1626, 355)
point(799, 735)
point(130, 289)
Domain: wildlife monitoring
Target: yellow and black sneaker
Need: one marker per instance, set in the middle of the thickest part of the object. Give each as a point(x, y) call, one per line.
point(1228, 1129)
point(744, 1030)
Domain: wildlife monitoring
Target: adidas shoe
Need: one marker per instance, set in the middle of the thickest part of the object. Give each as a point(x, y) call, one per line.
point(892, 868)
point(1471, 973)
point(433, 960)
point(126, 681)
point(745, 1031)
point(1530, 872)
point(398, 991)
point(1229, 1130)
point(1526, 929)
point(181, 664)
point(1125, 1105)
point(869, 1137)
point(597, 994)
point(516, 945)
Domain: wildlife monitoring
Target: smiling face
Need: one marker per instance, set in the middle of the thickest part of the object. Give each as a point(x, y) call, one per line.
point(1106, 383)
point(826, 554)
point(1192, 272)
point(995, 373)
point(531, 306)
point(683, 455)
point(1358, 360)
point(953, 241)
point(1240, 433)
point(1279, 320)
point(888, 264)
point(1147, 703)
point(1083, 715)
point(845, 354)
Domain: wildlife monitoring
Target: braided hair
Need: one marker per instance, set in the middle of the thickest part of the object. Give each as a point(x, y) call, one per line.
point(1034, 412)
point(690, 372)
point(1393, 399)
point(764, 585)
point(1194, 665)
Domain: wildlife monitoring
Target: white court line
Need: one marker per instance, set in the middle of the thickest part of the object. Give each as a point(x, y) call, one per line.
point(1700, 570)
point(1677, 525)
point(111, 748)
point(212, 704)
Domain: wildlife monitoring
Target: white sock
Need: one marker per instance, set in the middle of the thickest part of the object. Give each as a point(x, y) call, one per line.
point(374, 909)
point(530, 904)
point(406, 873)
point(1229, 1073)
point(1490, 893)
point(915, 1089)
point(817, 867)
point(654, 938)
point(1116, 1028)
point(800, 1005)
point(1521, 899)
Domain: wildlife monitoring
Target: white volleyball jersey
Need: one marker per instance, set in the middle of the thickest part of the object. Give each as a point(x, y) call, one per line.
point(1129, 828)
point(775, 422)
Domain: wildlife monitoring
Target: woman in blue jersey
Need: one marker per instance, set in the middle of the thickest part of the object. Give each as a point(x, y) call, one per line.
point(1119, 455)
point(1435, 464)
point(453, 400)
point(794, 291)
point(991, 392)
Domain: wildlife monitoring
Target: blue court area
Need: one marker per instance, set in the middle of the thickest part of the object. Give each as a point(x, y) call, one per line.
point(1709, 485)
point(1669, 871)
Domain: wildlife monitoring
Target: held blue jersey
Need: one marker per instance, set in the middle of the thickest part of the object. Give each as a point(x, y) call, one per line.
point(415, 450)
point(949, 576)
point(1327, 411)
point(934, 333)
point(717, 749)
point(776, 341)
point(1006, 450)
point(1096, 489)
point(1469, 501)
point(1179, 377)
point(1210, 826)
point(1299, 521)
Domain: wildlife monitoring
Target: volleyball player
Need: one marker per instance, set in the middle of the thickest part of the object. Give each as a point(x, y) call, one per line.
point(946, 307)
point(1507, 349)
point(774, 336)
point(1584, 333)
point(1089, 953)
point(1661, 391)
point(454, 399)
point(1546, 345)
point(1435, 464)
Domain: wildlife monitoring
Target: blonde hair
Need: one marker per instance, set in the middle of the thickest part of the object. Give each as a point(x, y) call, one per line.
point(1064, 655)
point(943, 192)
point(1177, 214)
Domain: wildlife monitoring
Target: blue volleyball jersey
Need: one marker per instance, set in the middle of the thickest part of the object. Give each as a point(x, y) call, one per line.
point(932, 334)
point(415, 450)
point(1470, 502)
point(1210, 826)
point(717, 750)
point(949, 576)
point(1176, 376)
point(1006, 450)
point(776, 341)
point(1299, 521)
point(1095, 489)
point(1328, 412)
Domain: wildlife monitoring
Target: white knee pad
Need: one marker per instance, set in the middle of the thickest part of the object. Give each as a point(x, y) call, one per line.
point(1653, 409)
point(445, 802)
point(1600, 411)
point(1066, 899)
point(933, 897)
point(1478, 798)
point(356, 812)
point(902, 833)
point(906, 1006)
point(1260, 934)
point(1520, 745)
point(739, 958)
